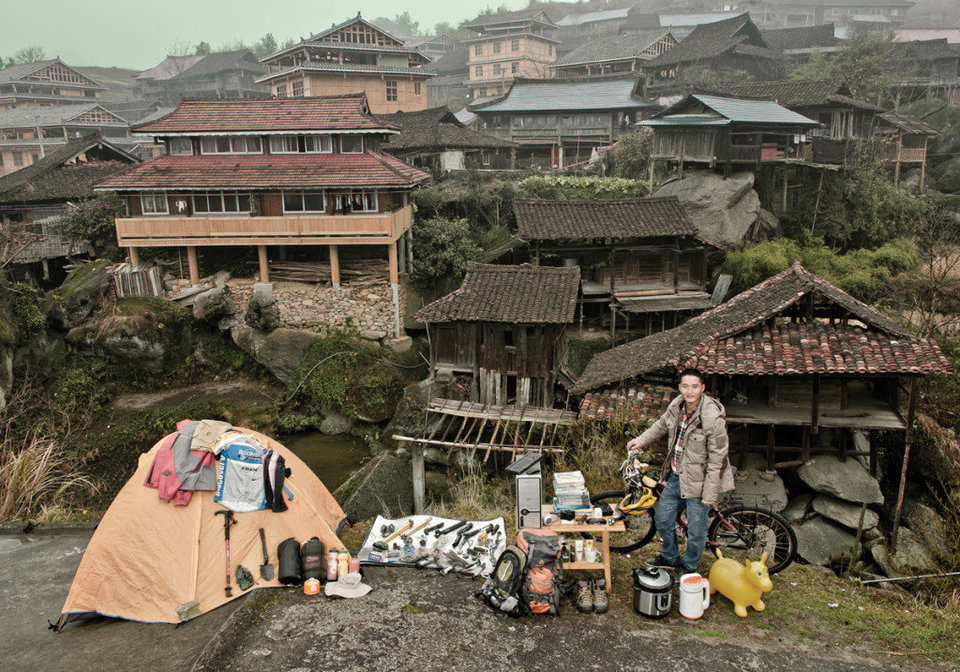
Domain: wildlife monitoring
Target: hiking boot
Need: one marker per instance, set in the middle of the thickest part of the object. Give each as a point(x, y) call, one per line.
point(600, 601)
point(659, 561)
point(584, 597)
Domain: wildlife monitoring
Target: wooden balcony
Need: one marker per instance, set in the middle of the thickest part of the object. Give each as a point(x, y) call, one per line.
point(378, 228)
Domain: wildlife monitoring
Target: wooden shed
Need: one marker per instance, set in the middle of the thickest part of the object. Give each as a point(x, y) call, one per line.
point(505, 328)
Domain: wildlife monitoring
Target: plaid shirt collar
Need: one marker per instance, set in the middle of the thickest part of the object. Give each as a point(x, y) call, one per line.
point(685, 417)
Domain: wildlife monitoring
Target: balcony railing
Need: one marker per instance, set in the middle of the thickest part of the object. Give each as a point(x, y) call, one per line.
point(378, 228)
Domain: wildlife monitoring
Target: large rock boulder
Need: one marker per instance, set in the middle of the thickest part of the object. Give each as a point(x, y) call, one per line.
point(408, 418)
point(756, 486)
point(79, 296)
point(821, 542)
point(845, 513)
point(262, 313)
point(930, 527)
point(213, 305)
point(846, 480)
point(280, 351)
point(911, 557)
point(724, 210)
point(146, 333)
point(385, 487)
point(799, 507)
point(335, 423)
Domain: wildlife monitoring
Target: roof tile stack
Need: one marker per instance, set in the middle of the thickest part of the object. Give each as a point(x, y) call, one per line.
point(601, 218)
point(640, 405)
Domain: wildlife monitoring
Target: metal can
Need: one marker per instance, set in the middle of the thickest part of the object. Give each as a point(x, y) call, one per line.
point(311, 587)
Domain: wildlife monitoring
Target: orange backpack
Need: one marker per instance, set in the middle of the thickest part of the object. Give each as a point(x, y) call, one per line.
point(541, 589)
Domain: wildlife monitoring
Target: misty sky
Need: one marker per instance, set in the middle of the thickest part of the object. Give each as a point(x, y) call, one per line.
point(139, 33)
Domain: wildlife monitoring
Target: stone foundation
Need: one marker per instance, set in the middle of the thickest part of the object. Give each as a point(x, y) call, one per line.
point(365, 310)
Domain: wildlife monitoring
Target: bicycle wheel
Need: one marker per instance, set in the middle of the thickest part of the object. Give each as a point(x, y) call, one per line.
point(640, 528)
point(743, 532)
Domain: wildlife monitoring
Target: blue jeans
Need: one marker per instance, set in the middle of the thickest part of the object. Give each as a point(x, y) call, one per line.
point(667, 512)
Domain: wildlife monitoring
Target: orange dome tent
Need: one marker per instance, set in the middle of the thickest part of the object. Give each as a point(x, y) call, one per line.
point(147, 556)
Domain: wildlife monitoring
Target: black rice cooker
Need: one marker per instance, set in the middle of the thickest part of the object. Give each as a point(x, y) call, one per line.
point(652, 592)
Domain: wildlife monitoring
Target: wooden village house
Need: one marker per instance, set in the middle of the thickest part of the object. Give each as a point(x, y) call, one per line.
point(614, 54)
point(789, 358)
point(50, 82)
point(228, 74)
point(270, 174)
point(504, 328)
point(560, 122)
point(33, 201)
point(734, 44)
point(351, 57)
point(908, 138)
point(639, 258)
point(718, 130)
point(508, 45)
point(435, 140)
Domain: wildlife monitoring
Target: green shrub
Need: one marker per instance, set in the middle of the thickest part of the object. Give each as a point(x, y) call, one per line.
point(570, 187)
point(581, 350)
point(443, 248)
point(25, 303)
point(631, 157)
point(93, 221)
point(341, 374)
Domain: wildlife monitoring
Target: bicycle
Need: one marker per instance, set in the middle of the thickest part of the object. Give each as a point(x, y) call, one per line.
point(738, 531)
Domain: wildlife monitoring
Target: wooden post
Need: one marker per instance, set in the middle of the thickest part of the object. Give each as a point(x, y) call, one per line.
point(744, 441)
point(815, 405)
point(805, 445)
point(771, 446)
point(335, 266)
point(193, 265)
point(419, 482)
point(908, 439)
point(395, 286)
point(923, 164)
point(264, 266)
point(134, 256)
point(392, 256)
point(896, 173)
point(536, 253)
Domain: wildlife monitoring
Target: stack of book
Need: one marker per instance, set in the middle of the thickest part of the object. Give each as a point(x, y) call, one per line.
point(570, 492)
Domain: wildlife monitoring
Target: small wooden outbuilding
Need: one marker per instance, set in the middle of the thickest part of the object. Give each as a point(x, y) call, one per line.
point(505, 328)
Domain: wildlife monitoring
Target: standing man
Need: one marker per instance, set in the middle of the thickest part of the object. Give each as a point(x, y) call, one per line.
point(696, 471)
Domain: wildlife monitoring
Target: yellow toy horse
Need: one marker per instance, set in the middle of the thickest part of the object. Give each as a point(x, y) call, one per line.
point(741, 584)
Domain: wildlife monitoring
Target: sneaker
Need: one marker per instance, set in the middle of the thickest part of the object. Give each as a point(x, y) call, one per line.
point(601, 602)
point(659, 561)
point(584, 597)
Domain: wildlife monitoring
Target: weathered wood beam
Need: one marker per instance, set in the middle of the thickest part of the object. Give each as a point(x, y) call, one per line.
point(908, 440)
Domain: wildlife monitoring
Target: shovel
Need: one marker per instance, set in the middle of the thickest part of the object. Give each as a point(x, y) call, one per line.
point(266, 569)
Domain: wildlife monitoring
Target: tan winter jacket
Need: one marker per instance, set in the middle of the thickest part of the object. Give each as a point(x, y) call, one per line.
point(704, 466)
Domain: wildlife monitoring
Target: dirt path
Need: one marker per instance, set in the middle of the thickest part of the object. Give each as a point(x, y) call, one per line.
point(238, 393)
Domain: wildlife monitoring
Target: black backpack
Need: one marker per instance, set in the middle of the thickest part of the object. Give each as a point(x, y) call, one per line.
point(502, 590)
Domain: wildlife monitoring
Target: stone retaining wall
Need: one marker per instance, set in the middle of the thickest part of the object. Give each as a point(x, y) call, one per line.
point(366, 310)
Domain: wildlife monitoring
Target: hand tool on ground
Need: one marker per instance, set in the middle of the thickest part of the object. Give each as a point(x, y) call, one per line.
point(464, 536)
point(461, 534)
point(227, 522)
point(407, 535)
point(266, 569)
point(455, 526)
point(433, 528)
point(396, 533)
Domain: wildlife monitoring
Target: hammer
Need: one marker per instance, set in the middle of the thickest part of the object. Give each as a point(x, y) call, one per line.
point(227, 522)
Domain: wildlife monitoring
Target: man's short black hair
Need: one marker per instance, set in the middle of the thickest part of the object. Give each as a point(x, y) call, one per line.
point(692, 372)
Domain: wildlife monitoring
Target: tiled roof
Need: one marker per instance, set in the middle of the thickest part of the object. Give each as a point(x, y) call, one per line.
point(734, 109)
point(909, 124)
point(601, 218)
point(710, 40)
point(356, 19)
point(490, 18)
point(518, 294)
point(641, 405)
point(924, 50)
point(212, 64)
point(806, 37)
point(436, 128)
point(314, 66)
point(451, 62)
point(536, 95)
point(592, 17)
point(169, 67)
point(817, 347)
point(687, 120)
point(49, 179)
point(13, 73)
point(704, 334)
point(329, 113)
point(612, 48)
point(52, 115)
point(798, 93)
point(266, 171)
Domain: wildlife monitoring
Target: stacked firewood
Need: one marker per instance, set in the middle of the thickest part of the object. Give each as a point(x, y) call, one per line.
point(356, 272)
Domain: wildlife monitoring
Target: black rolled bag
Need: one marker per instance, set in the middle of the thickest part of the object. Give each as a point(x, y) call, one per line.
point(290, 570)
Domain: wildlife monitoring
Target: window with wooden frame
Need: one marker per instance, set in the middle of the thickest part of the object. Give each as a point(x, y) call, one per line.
point(154, 204)
point(391, 89)
point(221, 202)
point(478, 71)
point(514, 45)
point(225, 144)
point(17, 158)
point(181, 147)
point(351, 144)
point(301, 144)
point(297, 89)
point(478, 50)
point(515, 67)
point(281, 91)
point(357, 201)
point(416, 88)
point(497, 46)
point(304, 201)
